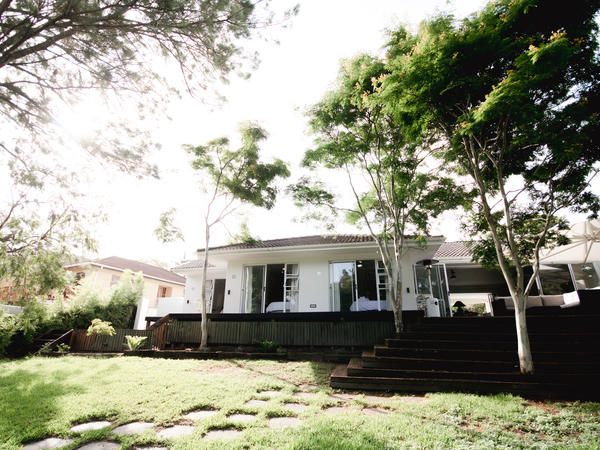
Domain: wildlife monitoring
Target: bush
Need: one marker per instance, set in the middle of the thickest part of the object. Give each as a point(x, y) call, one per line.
point(133, 343)
point(101, 328)
point(8, 328)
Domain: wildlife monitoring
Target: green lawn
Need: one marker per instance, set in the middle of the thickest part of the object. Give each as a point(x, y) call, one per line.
point(43, 397)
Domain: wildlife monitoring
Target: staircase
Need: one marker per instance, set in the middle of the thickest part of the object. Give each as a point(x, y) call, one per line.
point(51, 339)
point(479, 355)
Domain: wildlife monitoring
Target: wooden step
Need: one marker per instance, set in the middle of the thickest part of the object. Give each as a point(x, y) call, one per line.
point(465, 343)
point(357, 368)
point(371, 360)
point(483, 355)
point(340, 379)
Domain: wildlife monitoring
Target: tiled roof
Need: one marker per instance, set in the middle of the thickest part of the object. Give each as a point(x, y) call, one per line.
point(331, 239)
point(458, 249)
point(136, 266)
point(192, 264)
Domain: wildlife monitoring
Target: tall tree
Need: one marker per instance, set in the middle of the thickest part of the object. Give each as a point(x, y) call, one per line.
point(513, 95)
point(234, 178)
point(53, 50)
point(396, 185)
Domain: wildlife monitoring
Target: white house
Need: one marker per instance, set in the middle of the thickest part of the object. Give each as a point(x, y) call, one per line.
point(331, 273)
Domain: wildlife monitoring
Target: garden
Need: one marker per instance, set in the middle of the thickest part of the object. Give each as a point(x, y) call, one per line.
point(130, 402)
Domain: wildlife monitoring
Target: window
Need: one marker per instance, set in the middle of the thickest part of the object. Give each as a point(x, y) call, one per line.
point(587, 276)
point(164, 291)
point(555, 279)
point(291, 288)
point(114, 280)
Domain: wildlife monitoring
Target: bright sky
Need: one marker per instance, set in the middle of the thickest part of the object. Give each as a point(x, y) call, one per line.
point(292, 76)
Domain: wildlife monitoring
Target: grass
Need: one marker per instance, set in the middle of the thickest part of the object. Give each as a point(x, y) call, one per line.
point(43, 397)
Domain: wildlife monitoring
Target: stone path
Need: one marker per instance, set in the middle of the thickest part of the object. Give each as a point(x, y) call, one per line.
point(48, 443)
point(374, 411)
point(101, 445)
point(242, 417)
point(200, 414)
point(133, 428)
point(255, 402)
point(176, 431)
point(213, 435)
point(296, 407)
point(306, 395)
point(279, 423)
point(90, 426)
point(270, 393)
point(337, 410)
point(413, 399)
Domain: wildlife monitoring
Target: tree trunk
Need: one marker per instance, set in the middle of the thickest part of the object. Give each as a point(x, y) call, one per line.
point(204, 322)
point(523, 344)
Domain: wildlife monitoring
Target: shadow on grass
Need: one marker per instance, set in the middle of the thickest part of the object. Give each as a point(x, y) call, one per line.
point(28, 401)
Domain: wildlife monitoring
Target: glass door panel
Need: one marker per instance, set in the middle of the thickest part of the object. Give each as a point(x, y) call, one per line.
point(342, 285)
point(254, 288)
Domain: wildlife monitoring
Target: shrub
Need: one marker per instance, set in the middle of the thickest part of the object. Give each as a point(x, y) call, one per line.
point(134, 342)
point(101, 328)
point(267, 346)
point(8, 328)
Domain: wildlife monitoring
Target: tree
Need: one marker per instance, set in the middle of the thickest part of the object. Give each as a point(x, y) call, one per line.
point(404, 186)
point(52, 50)
point(512, 93)
point(235, 178)
point(38, 233)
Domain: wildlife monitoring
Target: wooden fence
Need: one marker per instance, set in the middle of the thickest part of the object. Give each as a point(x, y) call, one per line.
point(293, 333)
point(81, 342)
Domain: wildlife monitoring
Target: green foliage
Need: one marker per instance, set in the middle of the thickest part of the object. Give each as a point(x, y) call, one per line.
point(244, 236)
point(8, 328)
point(63, 348)
point(87, 304)
point(166, 231)
point(267, 346)
point(239, 173)
point(101, 328)
point(133, 343)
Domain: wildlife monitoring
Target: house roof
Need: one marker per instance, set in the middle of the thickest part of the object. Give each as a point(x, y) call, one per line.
point(331, 239)
point(192, 264)
point(458, 249)
point(122, 264)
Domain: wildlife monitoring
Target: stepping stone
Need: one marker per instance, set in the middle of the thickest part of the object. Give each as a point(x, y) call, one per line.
point(270, 393)
point(133, 428)
point(150, 448)
point(344, 396)
point(176, 431)
point(374, 411)
point(296, 407)
point(413, 399)
point(200, 414)
point(90, 426)
point(242, 417)
point(376, 399)
point(255, 402)
point(48, 443)
point(306, 395)
point(335, 410)
point(214, 435)
point(101, 445)
point(279, 423)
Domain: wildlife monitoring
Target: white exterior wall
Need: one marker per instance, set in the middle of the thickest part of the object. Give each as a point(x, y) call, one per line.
point(314, 273)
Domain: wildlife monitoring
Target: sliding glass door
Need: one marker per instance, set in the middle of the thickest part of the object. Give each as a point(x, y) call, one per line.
point(254, 288)
point(342, 285)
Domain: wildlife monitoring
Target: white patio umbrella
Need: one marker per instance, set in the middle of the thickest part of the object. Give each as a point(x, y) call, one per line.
point(584, 246)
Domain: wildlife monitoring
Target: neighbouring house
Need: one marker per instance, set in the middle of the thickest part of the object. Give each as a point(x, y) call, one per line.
point(103, 274)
